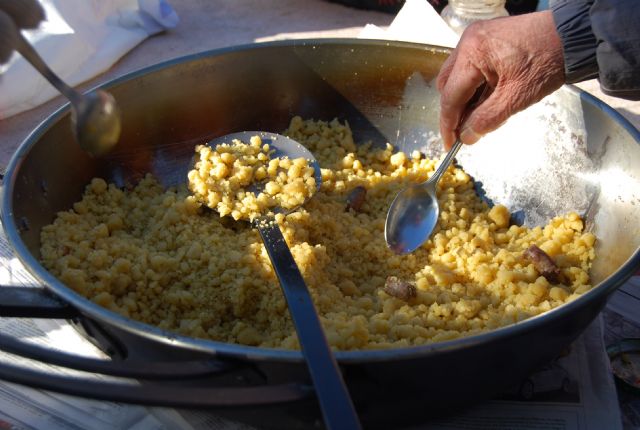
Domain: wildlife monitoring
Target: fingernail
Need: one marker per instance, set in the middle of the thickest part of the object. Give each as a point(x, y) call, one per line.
point(469, 136)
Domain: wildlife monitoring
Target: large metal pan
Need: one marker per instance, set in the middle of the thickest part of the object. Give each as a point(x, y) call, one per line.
point(569, 152)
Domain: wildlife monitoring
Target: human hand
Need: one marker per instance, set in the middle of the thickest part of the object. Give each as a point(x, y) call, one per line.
point(519, 58)
point(14, 16)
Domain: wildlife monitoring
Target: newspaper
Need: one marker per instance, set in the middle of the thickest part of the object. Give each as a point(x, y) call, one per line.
point(622, 321)
point(574, 392)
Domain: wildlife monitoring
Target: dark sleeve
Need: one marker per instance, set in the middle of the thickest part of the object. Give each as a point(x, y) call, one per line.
point(601, 38)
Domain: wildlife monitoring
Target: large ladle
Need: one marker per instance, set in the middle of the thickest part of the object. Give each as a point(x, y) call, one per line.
point(95, 115)
point(337, 408)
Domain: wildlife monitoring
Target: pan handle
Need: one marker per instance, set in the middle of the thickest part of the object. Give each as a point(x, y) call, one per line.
point(154, 393)
point(33, 302)
point(37, 302)
point(128, 368)
point(170, 383)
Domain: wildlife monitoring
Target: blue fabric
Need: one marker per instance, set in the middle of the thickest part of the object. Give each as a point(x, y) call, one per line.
point(579, 44)
point(542, 5)
point(616, 25)
point(601, 38)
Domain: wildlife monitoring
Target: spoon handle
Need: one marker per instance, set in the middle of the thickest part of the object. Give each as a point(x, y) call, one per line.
point(478, 97)
point(444, 165)
point(32, 56)
point(337, 408)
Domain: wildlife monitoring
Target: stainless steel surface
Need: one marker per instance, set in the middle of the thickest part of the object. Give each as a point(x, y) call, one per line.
point(95, 116)
point(337, 408)
point(570, 155)
point(414, 212)
point(572, 152)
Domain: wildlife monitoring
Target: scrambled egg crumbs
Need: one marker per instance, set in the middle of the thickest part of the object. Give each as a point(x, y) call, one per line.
point(155, 256)
point(223, 175)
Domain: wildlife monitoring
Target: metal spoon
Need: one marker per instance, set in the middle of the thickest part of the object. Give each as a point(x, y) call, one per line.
point(413, 214)
point(95, 116)
point(337, 408)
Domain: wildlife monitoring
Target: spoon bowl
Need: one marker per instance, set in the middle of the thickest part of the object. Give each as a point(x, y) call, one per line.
point(96, 122)
point(414, 212)
point(335, 402)
point(95, 116)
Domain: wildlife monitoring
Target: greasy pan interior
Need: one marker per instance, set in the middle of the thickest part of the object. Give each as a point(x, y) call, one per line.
point(569, 152)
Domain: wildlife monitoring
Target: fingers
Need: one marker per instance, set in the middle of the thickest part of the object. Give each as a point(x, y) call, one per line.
point(8, 37)
point(520, 57)
point(15, 15)
point(25, 13)
point(445, 70)
point(488, 115)
point(457, 85)
point(447, 134)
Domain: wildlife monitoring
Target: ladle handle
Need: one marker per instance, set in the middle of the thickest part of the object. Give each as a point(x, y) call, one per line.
point(337, 408)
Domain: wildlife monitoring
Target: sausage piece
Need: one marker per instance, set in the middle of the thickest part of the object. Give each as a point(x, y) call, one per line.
point(543, 264)
point(356, 198)
point(400, 289)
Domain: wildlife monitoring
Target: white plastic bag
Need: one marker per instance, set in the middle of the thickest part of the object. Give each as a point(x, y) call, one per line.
point(79, 40)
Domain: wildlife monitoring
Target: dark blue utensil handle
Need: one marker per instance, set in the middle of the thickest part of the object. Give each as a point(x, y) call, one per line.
point(337, 408)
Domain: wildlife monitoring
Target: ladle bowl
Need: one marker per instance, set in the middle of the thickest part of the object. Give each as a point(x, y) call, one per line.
point(336, 405)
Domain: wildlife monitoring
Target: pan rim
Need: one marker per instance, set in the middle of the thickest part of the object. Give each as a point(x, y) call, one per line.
point(595, 296)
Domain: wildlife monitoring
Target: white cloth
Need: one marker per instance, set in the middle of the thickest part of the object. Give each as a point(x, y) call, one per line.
point(79, 40)
point(417, 21)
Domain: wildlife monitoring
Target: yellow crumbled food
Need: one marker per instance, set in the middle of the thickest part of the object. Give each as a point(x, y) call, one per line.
point(223, 176)
point(153, 255)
